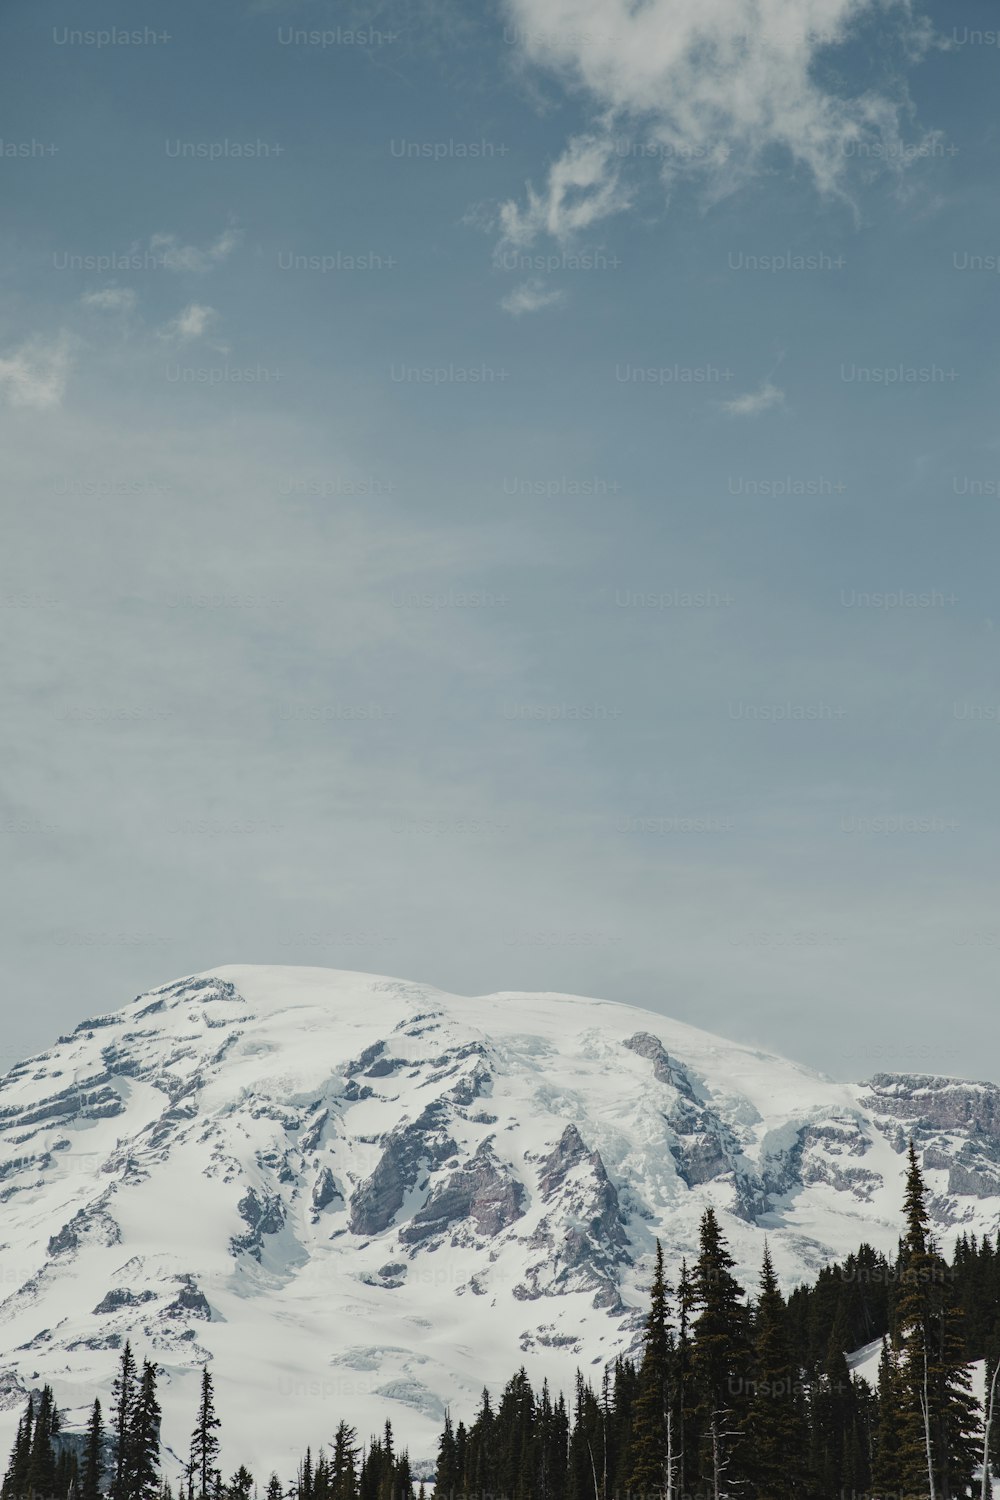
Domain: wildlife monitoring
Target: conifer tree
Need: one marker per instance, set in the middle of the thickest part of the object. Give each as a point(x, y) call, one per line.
point(92, 1473)
point(343, 1473)
point(687, 1427)
point(41, 1478)
point(885, 1460)
point(938, 1446)
point(15, 1481)
point(834, 1412)
point(720, 1359)
point(653, 1449)
point(776, 1420)
point(123, 1392)
point(204, 1475)
point(446, 1481)
point(305, 1488)
point(143, 1462)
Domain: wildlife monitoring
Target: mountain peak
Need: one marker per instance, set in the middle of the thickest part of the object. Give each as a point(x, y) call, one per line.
point(371, 1195)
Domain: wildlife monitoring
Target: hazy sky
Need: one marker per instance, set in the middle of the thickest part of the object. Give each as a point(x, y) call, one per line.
point(509, 498)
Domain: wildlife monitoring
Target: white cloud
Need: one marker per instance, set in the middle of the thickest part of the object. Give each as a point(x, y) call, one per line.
point(752, 403)
point(583, 186)
point(179, 257)
point(111, 299)
point(189, 324)
point(530, 296)
point(711, 88)
point(35, 374)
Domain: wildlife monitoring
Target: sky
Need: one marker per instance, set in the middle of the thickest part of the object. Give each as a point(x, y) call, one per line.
point(506, 496)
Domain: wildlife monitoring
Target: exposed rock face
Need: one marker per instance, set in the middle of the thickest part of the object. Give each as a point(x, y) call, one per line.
point(260, 1217)
point(325, 1191)
point(665, 1068)
point(409, 1150)
point(89, 1226)
point(123, 1296)
point(965, 1181)
point(704, 1147)
point(482, 1193)
point(190, 1302)
point(957, 1124)
point(582, 1231)
point(933, 1103)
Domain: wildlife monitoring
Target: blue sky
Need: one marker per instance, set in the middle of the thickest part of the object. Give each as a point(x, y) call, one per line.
point(507, 497)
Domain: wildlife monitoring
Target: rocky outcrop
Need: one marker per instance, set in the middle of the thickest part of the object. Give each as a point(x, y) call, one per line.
point(931, 1102)
point(482, 1195)
point(325, 1191)
point(262, 1216)
point(665, 1068)
point(705, 1147)
point(89, 1226)
point(409, 1150)
point(582, 1231)
point(123, 1296)
point(190, 1302)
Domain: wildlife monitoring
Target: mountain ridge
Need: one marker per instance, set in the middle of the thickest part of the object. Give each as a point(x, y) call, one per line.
point(366, 1186)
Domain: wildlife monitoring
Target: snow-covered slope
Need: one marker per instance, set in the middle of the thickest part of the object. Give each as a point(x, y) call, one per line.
point(360, 1197)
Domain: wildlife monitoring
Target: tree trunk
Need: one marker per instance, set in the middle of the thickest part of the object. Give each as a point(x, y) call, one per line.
point(986, 1485)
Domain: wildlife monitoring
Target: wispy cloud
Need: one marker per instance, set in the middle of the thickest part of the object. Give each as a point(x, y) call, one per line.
point(530, 297)
point(712, 88)
point(583, 187)
point(111, 299)
point(192, 323)
point(34, 375)
point(180, 257)
point(752, 403)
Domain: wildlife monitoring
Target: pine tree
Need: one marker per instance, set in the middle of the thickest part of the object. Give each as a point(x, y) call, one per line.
point(938, 1446)
point(687, 1421)
point(275, 1489)
point(15, 1482)
point(776, 1421)
point(446, 1481)
point(143, 1463)
point(92, 1474)
point(203, 1471)
point(123, 1392)
point(834, 1411)
point(653, 1449)
point(343, 1472)
point(305, 1488)
point(886, 1475)
point(720, 1361)
point(42, 1460)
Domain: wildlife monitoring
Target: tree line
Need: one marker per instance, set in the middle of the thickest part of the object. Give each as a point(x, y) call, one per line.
point(730, 1397)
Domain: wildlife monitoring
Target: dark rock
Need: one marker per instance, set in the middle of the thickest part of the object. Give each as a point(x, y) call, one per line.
point(325, 1191)
point(121, 1296)
point(261, 1217)
point(91, 1226)
point(482, 1193)
point(590, 1251)
point(312, 1137)
point(383, 1066)
point(409, 1151)
point(665, 1068)
point(367, 1057)
point(934, 1102)
point(190, 1302)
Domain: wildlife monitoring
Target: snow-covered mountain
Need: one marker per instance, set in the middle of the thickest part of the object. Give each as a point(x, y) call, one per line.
point(360, 1197)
